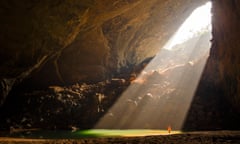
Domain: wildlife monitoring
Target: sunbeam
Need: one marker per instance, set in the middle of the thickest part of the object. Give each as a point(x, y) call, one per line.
point(161, 95)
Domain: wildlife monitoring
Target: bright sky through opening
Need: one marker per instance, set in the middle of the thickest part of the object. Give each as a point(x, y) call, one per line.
point(162, 94)
point(198, 21)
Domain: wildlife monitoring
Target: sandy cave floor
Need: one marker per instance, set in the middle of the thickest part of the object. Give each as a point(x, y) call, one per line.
point(203, 137)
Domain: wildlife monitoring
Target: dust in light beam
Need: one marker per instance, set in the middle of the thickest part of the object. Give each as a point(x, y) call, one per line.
point(161, 95)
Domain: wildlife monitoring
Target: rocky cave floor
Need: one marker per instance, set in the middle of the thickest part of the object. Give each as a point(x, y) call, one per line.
point(80, 106)
point(59, 107)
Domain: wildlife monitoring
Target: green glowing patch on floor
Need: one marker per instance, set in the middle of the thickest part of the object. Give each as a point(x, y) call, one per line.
point(123, 133)
point(91, 133)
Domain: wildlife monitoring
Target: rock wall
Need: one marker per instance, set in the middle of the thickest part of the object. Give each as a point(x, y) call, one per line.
point(223, 68)
point(31, 32)
point(117, 35)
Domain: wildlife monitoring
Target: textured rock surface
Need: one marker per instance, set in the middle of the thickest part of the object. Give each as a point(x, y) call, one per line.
point(64, 42)
point(110, 35)
point(72, 41)
point(223, 68)
point(32, 32)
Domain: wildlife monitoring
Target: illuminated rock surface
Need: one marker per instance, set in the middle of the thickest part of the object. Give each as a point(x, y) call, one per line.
point(71, 41)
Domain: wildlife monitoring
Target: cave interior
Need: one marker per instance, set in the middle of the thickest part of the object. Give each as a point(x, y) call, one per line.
point(114, 65)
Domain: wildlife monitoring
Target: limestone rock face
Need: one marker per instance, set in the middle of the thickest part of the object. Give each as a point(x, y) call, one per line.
point(223, 67)
point(32, 32)
point(116, 35)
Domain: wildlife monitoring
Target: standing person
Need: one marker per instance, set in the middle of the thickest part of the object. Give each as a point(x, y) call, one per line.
point(169, 129)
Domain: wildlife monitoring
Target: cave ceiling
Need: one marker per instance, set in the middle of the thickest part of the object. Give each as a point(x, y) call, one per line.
point(61, 42)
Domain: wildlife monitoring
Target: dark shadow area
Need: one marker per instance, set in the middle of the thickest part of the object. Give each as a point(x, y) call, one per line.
point(47, 134)
point(69, 107)
point(210, 109)
point(58, 107)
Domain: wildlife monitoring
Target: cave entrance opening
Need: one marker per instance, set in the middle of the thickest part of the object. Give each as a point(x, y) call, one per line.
point(161, 95)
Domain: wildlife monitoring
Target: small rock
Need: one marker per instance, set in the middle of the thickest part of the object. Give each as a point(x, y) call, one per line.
point(23, 120)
